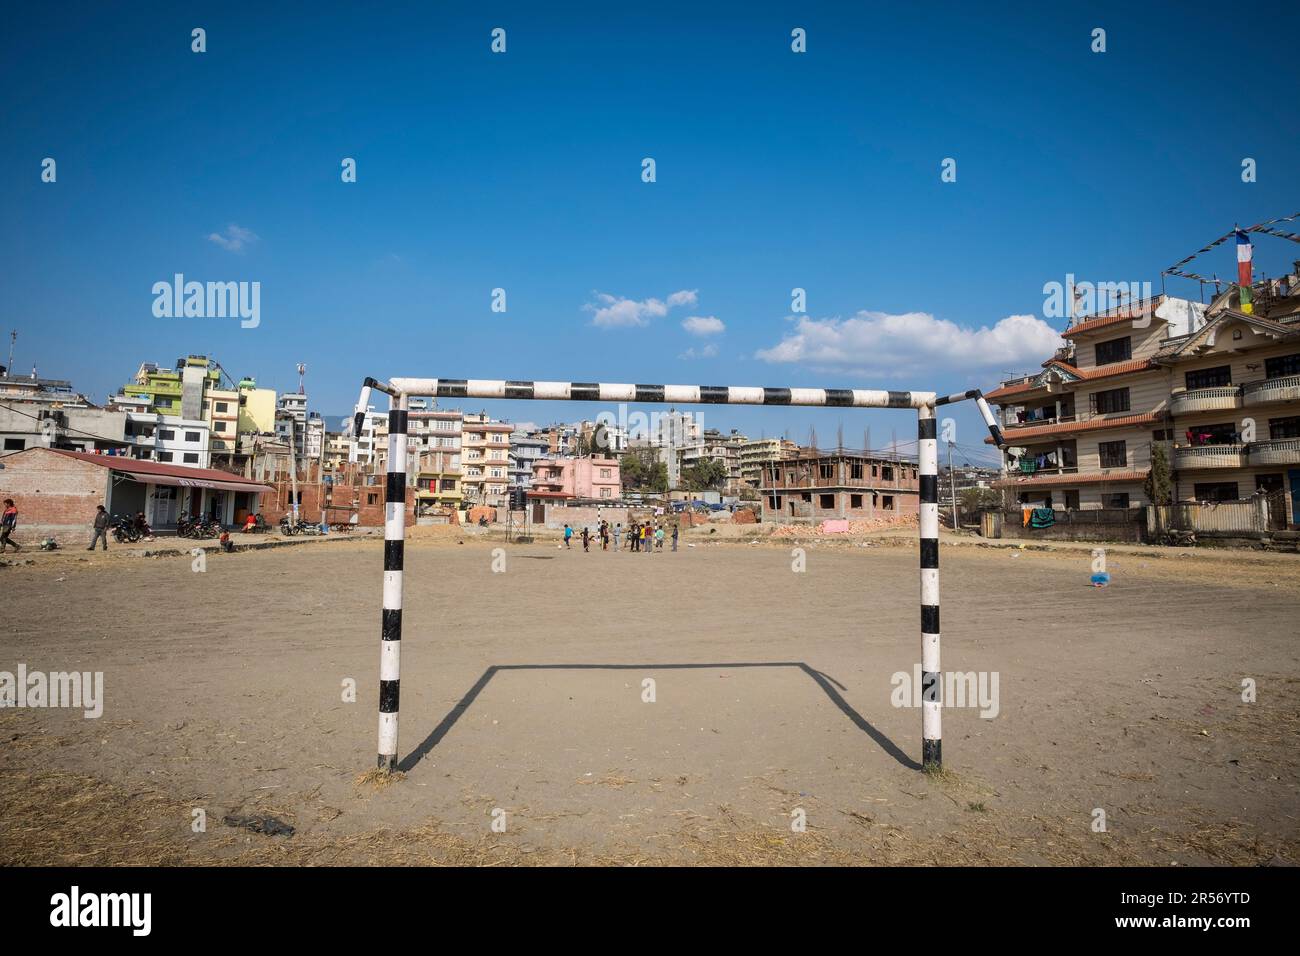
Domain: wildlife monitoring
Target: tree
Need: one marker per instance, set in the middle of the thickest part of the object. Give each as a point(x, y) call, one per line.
point(1159, 484)
point(979, 499)
point(707, 473)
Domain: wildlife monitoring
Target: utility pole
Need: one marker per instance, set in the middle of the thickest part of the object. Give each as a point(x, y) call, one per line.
point(952, 487)
point(9, 369)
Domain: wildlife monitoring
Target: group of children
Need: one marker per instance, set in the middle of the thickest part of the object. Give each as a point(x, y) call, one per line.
point(641, 536)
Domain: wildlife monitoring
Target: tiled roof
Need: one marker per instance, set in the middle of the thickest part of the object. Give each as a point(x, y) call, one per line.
point(139, 466)
point(1106, 371)
point(1103, 321)
point(1082, 478)
point(1007, 390)
point(1014, 435)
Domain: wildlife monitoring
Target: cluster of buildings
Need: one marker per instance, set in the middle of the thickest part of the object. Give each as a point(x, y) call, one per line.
point(1213, 389)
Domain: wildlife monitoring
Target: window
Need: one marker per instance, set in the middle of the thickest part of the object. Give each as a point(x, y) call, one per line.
point(221, 426)
point(1268, 483)
point(886, 473)
point(166, 434)
point(223, 406)
point(371, 499)
point(1216, 491)
point(1114, 454)
point(826, 470)
point(1225, 434)
point(1162, 434)
point(1115, 350)
point(1282, 365)
point(15, 444)
point(855, 471)
point(887, 502)
point(855, 501)
point(604, 472)
point(826, 501)
point(164, 456)
point(1284, 427)
point(1110, 401)
point(606, 492)
point(1216, 377)
point(1119, 500)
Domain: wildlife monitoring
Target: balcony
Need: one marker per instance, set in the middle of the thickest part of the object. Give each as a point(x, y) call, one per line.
point(1285, 388)
point(1205, 400)
point(1276, 451)
point(1191, 457)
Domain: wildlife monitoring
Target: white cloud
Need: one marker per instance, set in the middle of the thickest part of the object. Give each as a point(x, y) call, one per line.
point(234, 239)
point(612, 311)
point(708, 351)
point(913, 344)
point(704, 325)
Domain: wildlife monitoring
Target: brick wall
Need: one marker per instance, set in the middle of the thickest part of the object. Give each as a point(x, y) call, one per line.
point(55, 495)
point(369, 499)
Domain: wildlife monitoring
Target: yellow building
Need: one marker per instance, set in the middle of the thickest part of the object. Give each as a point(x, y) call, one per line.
point(256, 408)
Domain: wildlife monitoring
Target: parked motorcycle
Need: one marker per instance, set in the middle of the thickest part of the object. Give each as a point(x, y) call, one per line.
point(124, 529)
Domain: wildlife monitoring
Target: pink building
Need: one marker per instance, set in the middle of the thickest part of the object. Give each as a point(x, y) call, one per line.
point(564, 478)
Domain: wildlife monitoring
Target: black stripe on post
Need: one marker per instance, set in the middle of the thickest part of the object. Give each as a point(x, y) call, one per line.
point(453, 388)
point(931, 753)
point(997, 436)
point(395, 488)
point(649, 393)
point(929, 489)
point(584, 392)
point(397, 421)
point(392, 625)
point(839, 396)
point(929, 554)
point(929, 619)
point(931, 687)
point(394, 555)
point(389, 693)
point(927, 428)
point(714, 394)
point(900, 399)
point(776, 396)
point(358, 420)
point(519, 389)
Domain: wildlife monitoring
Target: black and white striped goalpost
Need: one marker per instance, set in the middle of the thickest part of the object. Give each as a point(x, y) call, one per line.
point(400, 390)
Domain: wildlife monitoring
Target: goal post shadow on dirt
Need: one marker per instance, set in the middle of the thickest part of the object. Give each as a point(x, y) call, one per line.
point(829, 686)
point(401, 390)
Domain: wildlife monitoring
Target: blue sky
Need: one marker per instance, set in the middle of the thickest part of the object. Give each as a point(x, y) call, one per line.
point(522, 171)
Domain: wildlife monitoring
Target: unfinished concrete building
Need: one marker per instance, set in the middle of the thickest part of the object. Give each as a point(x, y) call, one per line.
point(815, 485)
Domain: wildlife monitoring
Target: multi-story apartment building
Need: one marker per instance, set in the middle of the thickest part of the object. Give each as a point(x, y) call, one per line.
point(434, 440)
point(1217, 388)
point(813, 485)
point(485, 460)
point(755, 452)
point(525, 449)
point(582, 479)
point(192, 392)
point(48, 413)
point(256, 408)
point(291, 417)
point(714, 446)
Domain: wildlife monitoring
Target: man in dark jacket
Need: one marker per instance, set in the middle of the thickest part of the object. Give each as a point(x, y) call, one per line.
point(8, 521)
point(101, 529)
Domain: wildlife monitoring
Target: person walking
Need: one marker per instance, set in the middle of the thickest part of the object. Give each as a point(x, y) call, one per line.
point(586, 538)
point(100, 529)
point(618, 530)
point(8, 522)
point(568, 535)
point(675, 527)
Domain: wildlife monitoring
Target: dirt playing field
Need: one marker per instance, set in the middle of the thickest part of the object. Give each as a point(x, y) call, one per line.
point(522, 700)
